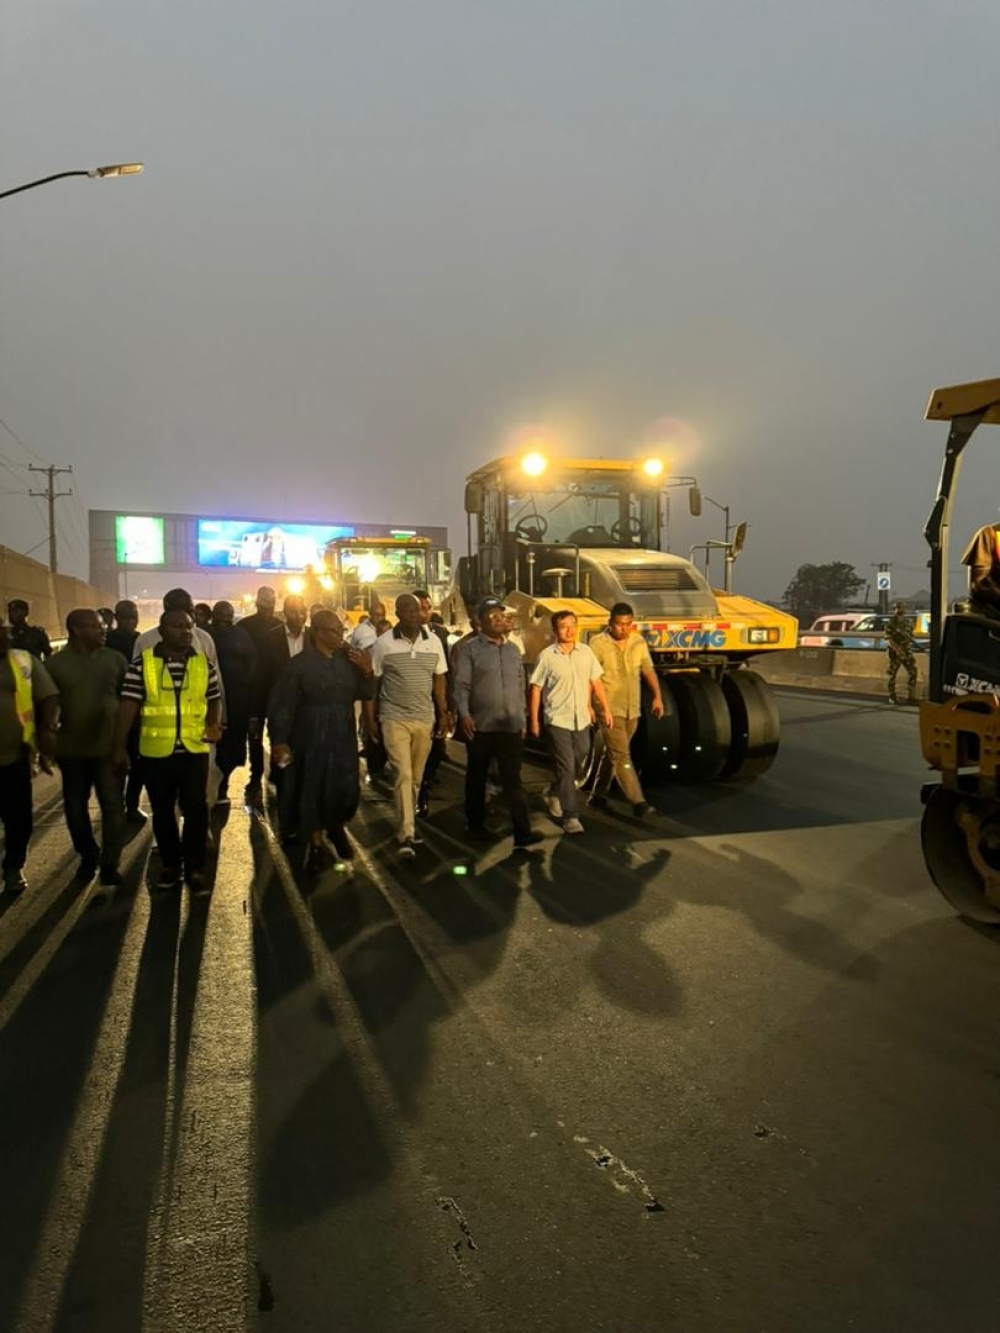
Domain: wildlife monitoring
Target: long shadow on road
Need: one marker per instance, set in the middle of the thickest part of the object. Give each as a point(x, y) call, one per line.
point(46, 1052)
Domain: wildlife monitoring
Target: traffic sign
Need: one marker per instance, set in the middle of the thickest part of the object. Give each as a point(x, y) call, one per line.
point(883, 582)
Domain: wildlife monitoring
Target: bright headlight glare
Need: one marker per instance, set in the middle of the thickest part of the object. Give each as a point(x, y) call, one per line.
point(653, 467)
point(534, 464)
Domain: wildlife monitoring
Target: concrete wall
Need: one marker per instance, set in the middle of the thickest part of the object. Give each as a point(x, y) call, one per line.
point(855, 671)
point(50, 596)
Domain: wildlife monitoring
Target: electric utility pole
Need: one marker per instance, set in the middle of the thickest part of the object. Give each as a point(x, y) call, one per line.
point(51, 495)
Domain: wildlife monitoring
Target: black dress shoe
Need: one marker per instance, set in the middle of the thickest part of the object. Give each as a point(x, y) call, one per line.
point(423, 806)
point(112, 878)
point(341, 843)
point(86, 871)
point(641, 809)
point(598, 802)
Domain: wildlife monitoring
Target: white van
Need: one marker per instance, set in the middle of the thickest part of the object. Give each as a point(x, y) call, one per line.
point(824, 630)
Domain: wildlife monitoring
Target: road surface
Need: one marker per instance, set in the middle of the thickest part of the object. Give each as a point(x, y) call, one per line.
point(731, 1069)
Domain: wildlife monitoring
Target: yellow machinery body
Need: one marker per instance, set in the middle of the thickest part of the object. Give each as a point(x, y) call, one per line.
point(585, 534)
point(960, 721)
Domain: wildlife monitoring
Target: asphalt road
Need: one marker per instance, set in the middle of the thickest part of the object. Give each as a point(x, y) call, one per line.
point(735, 1068)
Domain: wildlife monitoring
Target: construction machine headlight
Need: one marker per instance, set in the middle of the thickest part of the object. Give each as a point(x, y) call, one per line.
point(653, 468)
point(534, 464)
point(764, 636)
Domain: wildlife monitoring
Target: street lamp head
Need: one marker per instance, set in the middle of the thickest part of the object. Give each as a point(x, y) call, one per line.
point(117, 169)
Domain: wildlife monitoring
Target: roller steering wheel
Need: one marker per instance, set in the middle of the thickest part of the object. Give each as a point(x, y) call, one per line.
point(532, 529)
point(632, 527)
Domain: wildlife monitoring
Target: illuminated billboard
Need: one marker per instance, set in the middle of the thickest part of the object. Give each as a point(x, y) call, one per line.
point(139, 540)
point(235, 543)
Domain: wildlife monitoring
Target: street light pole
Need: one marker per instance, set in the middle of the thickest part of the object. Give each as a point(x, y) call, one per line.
point(97, 173)
point(724, 508)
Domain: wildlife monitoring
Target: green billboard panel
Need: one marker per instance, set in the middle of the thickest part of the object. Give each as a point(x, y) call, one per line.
point(139, 540)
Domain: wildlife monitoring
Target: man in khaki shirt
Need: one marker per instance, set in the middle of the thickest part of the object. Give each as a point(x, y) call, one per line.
point(624, 655)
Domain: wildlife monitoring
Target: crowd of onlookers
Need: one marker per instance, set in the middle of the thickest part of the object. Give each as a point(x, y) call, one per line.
point(176, 710)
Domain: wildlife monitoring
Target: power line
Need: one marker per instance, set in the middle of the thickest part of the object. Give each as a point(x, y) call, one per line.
point(14, 436)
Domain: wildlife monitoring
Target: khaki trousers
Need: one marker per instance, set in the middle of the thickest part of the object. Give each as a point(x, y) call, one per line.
point(616, 761)
point(407, 744)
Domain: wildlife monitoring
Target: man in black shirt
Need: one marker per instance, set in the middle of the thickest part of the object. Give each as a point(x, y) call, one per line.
point(122, 638)
point(29, 638)
point(257, 626)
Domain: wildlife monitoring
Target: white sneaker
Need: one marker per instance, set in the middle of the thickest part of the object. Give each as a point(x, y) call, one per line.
point(553, 804)
point(572, 825)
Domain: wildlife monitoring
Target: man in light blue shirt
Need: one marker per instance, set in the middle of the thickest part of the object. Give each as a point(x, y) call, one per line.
point(567, 682)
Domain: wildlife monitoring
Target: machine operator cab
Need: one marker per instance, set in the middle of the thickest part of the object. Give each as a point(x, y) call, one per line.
point(578, 529)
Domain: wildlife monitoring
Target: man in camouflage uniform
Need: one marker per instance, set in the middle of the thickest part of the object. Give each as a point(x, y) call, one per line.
point(899, 643)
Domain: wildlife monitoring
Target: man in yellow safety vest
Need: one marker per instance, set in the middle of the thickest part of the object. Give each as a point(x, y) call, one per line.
point(28, 710)
point(174, 691)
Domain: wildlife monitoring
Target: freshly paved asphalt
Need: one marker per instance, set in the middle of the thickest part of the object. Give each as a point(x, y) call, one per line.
point(735, 1068)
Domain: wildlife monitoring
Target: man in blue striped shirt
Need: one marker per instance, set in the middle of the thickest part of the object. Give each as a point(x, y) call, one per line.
point(489, 690)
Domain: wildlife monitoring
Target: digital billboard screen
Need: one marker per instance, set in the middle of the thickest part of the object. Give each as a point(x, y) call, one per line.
point(235, 543)
point(139, 540)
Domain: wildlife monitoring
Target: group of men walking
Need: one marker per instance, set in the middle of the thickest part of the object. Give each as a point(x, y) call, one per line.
point(118, 710)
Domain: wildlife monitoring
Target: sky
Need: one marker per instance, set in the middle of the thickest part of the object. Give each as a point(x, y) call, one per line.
point(374, 240)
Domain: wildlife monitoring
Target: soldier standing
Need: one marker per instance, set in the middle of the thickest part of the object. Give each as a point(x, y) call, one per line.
point(899, 644)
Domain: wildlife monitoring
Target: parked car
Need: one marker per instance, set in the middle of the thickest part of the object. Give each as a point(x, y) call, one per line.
point(829, 626)
point(869, 632)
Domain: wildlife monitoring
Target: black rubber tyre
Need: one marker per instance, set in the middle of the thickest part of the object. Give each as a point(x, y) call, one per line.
point(955, 830)
point(755, 724)
point(656, 745)
point(692, 743)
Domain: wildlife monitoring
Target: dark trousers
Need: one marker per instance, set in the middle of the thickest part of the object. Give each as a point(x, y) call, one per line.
point(570, 750)
point(133, 783)
point(79, 778)
point(256, 747)
point(180, 779)
point(437, 756)
point(15, 812)
point(506, 747)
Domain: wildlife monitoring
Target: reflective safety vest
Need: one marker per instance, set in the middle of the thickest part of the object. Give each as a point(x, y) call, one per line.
point(169, 715)
point(24, 703)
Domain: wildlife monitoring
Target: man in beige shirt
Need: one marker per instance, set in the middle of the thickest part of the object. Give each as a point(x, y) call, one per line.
point(624, 655)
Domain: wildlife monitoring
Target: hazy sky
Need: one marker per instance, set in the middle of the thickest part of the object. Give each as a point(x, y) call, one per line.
point(375, 238)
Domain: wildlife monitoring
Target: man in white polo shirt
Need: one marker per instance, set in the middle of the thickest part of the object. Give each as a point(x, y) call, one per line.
point(567, 679)
point(410, 668)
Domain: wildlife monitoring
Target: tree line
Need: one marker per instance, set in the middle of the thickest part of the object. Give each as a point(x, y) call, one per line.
point(819, 588)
